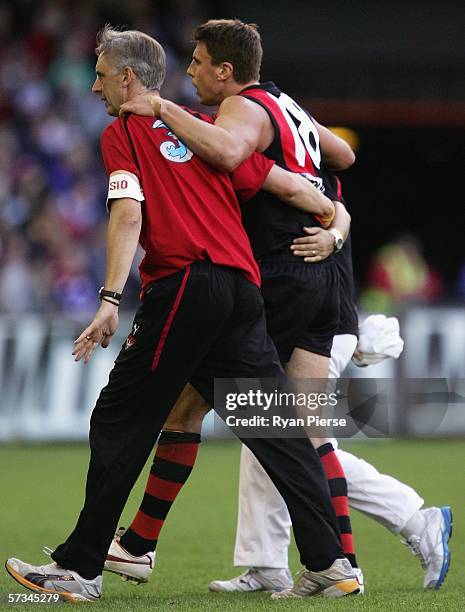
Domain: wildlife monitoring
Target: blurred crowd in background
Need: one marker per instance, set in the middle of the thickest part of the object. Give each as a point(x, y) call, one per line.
point(52, 184)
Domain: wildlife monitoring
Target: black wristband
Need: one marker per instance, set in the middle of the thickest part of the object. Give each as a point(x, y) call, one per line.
point(109, 294)
point(109, 300)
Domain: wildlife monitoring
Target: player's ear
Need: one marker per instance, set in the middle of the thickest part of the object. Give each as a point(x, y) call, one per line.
point(225, 71)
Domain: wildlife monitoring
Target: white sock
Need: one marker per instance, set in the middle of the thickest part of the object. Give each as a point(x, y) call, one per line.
point(414, 526)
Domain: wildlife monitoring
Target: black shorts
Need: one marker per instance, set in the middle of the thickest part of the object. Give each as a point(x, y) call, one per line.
point(348, 319)
point(198, 324)
point(301, 304)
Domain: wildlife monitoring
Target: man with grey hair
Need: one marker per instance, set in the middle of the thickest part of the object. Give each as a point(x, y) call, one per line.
point(134, 49)
point(201, 318)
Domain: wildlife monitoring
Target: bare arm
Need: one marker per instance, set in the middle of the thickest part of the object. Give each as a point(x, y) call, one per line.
point(122, 239)
point(233, 137)
point(342, 220)
point(336, 152)
point(297, 191)
point(236, 133)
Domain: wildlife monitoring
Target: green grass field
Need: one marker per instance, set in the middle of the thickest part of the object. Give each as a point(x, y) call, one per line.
point(41, 494)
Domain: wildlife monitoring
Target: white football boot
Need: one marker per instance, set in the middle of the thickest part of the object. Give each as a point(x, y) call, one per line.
point(255, 579)
point(55, 580)
point(338, 580)
point(360, 579)
point(431, 547)
point(130, 568)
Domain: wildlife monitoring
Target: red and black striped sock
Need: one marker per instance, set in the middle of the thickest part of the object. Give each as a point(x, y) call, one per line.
point(338, 489)
point(173, 462)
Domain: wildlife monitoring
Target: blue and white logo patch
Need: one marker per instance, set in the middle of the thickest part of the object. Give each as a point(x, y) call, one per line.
point(173, 151)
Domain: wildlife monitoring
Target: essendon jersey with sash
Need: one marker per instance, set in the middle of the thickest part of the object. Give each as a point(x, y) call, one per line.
point(272, 226)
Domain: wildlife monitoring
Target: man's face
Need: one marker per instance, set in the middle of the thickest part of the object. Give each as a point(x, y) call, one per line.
point(204, 75)
point(108, 85)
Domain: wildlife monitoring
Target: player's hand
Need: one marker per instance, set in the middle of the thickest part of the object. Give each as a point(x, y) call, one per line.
point(316, 246)
point(100, 331)
point(146, 104)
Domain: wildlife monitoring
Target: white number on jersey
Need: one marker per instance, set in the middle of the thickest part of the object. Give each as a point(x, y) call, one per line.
point(301, 134)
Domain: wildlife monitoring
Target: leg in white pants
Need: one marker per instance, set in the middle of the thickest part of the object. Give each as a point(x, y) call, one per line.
point(263, 527)
point(381, 497)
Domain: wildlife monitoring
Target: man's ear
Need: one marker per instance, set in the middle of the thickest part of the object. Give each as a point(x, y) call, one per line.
point(225, 71)
point(128, 76)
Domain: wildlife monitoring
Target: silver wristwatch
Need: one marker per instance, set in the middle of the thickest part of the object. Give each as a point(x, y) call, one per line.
point(338, 239)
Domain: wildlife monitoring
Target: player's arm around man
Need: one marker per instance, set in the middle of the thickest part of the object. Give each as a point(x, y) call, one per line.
point(290, 188)
point(294, 190)
point(240, 128)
